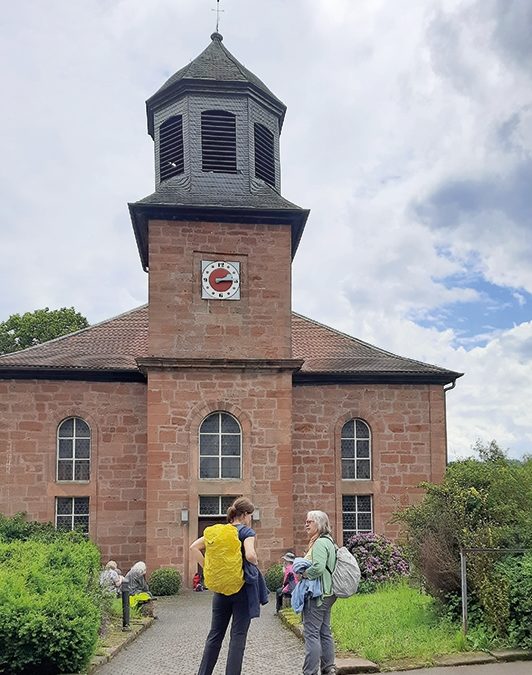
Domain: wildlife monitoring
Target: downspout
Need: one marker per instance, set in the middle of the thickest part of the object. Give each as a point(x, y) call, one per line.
point(445, 390)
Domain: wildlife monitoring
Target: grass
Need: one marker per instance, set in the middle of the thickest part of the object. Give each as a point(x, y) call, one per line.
point(396, 622)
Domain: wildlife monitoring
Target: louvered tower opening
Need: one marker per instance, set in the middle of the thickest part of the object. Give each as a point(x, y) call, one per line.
point(171, 159)
point(218, 141)
point(264, 154)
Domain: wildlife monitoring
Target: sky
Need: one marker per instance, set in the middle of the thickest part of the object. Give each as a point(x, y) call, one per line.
point(408, 134)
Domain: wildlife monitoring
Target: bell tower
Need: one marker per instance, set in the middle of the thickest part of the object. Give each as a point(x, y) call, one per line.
point(217, 240)
point(217, 201)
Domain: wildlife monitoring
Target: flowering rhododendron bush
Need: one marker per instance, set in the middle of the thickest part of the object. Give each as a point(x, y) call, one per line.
point(380, 560)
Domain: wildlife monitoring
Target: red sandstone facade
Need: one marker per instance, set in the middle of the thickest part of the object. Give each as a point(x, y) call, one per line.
point(145, 382)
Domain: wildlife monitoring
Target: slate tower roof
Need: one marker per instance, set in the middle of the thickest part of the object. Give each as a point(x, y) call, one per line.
point(216, 129)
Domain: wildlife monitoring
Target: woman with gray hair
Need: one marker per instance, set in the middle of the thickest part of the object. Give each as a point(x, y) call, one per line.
point(139, 592)
point(319, 643)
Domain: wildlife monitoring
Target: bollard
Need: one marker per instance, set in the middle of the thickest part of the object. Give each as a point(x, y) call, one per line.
point(125, 605)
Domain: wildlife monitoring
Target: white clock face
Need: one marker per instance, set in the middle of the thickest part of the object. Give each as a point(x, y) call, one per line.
point(220, 280)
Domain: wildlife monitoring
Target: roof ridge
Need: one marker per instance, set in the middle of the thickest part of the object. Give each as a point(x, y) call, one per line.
point(366, 344)
point(76, 332)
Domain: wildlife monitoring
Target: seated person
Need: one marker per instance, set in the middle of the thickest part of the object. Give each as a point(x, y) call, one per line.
point(139, 592)
point(289, 580)
point(111, 578)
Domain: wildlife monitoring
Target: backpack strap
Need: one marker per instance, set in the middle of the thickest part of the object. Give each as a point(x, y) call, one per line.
point(327, 536)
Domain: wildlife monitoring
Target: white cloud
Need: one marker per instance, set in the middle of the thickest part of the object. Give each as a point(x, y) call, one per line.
point(388, 106)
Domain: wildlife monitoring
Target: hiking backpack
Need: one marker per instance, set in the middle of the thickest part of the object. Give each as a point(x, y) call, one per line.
point(222, 571)
point(346, 574)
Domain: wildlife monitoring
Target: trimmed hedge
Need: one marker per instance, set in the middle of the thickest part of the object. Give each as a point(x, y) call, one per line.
point(49, 609)
point(165, 581)
point(274, 577)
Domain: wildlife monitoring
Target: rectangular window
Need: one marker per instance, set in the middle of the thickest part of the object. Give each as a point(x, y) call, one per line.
point(72, 513)
point(357, 515)
point(214, 505)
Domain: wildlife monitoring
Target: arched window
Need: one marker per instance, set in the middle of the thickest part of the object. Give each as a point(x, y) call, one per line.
point(220, 442)
point(73, 450)
point(264, 154)
point(218, 141)
point(171, 159)
point(356, 450)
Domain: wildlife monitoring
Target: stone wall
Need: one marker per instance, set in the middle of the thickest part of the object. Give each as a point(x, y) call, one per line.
point(30, 412)
point(407, 424)
point(183, 325)
point(178, 401)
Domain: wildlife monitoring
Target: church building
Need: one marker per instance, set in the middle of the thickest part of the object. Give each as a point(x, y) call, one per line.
point(143, 428)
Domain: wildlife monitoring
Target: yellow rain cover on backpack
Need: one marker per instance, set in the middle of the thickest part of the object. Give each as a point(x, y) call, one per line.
point(223, 571)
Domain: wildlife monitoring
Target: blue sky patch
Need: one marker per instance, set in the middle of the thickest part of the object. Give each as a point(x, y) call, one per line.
point(498, 308)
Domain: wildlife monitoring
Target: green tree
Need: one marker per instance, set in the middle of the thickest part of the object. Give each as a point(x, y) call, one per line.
point(481, 503)
point(33, 328)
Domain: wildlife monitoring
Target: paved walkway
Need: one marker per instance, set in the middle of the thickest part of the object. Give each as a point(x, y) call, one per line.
point(174, 644)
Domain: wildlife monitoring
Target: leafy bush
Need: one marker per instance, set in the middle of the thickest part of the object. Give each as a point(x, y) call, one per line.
point(518, 576)
point(49, 598)
point(17, 528)
point(274, 577)
point(165, 581)
point(480, 504)
point(380, 560)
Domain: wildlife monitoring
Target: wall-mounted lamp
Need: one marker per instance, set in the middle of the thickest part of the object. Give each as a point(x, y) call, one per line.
point(184, 516)
point(256, 515)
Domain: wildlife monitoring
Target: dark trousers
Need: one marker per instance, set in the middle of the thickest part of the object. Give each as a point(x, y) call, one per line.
point(279, 595)
point(223, 608)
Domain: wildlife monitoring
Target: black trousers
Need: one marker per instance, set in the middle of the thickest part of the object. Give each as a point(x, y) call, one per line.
point(225, 607)
point(279, 595)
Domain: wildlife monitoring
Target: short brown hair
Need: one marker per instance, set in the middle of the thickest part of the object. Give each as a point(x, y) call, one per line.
point(238, 508)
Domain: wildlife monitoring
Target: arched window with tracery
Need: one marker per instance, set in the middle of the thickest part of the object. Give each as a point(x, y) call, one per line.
point(73, 450)
point(220, 447)
point(356, 450)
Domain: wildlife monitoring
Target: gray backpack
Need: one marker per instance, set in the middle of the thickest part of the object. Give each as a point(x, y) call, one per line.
point(346, 573)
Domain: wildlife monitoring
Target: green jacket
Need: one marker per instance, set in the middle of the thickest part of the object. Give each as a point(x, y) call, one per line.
point(323, 555)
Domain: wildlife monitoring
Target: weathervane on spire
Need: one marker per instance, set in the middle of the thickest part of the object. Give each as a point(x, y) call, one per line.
point(217, 10)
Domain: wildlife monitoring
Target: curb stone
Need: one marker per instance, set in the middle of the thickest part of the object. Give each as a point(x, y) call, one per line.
point(464, 659)
point(511, 654)
point(110, 652)
point(346, 665)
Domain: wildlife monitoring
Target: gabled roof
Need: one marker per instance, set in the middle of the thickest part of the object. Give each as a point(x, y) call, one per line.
point(329, 353)
point(109, 350)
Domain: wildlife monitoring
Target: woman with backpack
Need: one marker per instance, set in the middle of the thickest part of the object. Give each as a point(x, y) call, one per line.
point(226, 605)
point(319, 643)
